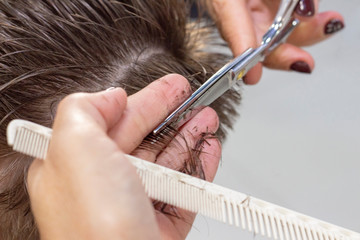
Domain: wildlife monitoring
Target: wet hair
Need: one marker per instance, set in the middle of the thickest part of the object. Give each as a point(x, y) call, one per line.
point(49, 49)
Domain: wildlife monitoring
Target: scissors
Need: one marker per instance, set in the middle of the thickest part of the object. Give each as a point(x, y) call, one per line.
point(232, 73)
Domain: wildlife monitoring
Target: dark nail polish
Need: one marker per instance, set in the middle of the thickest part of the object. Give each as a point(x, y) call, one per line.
point(334, 26)
point(305, 8)
point(300, 66)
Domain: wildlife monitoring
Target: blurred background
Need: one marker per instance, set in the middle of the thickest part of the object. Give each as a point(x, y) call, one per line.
point(297, 141)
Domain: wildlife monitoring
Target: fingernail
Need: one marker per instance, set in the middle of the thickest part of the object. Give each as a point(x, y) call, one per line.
point(110, 88)
point(300, 66)
point(305, 8)
point(334, 26)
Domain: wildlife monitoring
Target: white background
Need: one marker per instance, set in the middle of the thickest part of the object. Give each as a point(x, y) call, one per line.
point(297, 141)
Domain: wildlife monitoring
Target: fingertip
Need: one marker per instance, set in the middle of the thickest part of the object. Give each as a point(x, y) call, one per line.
point(317, 29)
point(286, 55)
point(210, 158)
point(254, 75)
point(176, 82)
point(306, 8)
point(110, 104)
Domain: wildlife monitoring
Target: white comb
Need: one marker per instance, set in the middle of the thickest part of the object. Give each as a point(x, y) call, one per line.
point(199, 196)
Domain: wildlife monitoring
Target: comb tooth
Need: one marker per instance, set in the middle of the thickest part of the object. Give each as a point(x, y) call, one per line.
point(223, 208)
point(166, 189)
point(187, 205)
point(236, 214)
point(29, 143)
point(35, 147)
point(297, 231)
point(261, 221)
point(219, 208)
point(209, 204)
point(163, 188)
point(198, 198)
point(255, 220)
point(321, 234)
point(216, 208)
point(21, 136)
point(248, 218)
point(242, 216)
point(279, 227)
point(158, 188)
point(273, 226)
point(31, 139)
point(40, 146)
point(327, 236)
point(18, 139)
point(291, 229)
point(45, 147)
point(22, 146)
point(173, 192)
point(315, 232)
point(267, 225)
point(308, 232)
point(303, 232)
point(182, 193)
point(191, 202)
point(285, 227)
point(228, 208)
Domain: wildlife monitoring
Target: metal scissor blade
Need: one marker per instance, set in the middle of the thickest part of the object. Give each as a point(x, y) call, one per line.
point(209, 91)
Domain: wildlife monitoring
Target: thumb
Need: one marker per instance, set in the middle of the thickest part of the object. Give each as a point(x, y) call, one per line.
point(102, 109)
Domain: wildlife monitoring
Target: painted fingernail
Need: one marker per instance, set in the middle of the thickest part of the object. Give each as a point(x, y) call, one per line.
point(305, 8)
point(334, 26)
point(300, 66)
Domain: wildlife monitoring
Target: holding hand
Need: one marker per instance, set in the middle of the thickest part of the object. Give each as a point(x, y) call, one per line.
point(87, 189)
point(244, 22)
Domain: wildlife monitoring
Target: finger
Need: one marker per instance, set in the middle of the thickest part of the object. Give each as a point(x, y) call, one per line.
point(148, 108)
point(289, 57)
point(175, 156)
point(235, 24)
point(98, 110)
point(204, 122)
point(86, 117)
point(306, 8)
point(195, 146)
point(102, 109)
point(317, 29)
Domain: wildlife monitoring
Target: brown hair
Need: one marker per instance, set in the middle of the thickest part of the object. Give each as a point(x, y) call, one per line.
point(49, 49)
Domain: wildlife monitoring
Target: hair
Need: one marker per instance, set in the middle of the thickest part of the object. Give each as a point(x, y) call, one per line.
point(50, 49)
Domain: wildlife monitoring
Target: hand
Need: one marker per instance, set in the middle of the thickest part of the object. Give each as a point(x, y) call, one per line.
point(244, 22)
point(87, 189)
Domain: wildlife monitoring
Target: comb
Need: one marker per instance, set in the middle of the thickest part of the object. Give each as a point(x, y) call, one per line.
point(199, 196)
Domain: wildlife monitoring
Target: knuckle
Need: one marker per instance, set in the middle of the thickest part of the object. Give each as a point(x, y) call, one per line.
point(72, 99)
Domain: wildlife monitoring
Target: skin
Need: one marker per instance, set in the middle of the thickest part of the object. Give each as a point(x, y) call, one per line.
point(87, 189)
point(242, 24)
